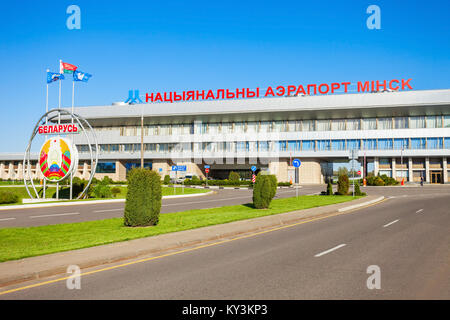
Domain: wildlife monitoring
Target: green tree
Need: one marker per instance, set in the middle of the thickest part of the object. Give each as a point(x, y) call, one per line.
point(143, 200)
point(107, 180)
point(234, 178)
point(343, 184)
point(341, 171)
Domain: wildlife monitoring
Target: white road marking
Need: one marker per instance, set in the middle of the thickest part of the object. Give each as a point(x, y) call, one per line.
point(330, 250)
point(387, 225)
point(55, 215)
point(420, 210)
point(5, 219)
point(108, 210)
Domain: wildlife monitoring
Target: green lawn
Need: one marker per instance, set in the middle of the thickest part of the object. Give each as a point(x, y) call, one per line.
point(19, 243)
point(166, 191)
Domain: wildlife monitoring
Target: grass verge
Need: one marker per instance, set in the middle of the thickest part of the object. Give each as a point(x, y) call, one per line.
point(166, 191)
point(17, 243)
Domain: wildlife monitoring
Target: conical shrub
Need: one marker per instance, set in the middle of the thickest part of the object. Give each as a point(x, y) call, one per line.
point(143, 200)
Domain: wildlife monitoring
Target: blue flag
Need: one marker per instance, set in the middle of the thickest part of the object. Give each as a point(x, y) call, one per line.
point(81, 76)
point(53, 76)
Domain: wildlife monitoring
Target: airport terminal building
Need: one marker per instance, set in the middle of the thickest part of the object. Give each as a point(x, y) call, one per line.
point(404, 135)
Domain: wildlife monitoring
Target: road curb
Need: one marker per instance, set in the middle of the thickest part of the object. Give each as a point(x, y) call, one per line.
point(16, 271)
point(75, 203)
point(361, 204)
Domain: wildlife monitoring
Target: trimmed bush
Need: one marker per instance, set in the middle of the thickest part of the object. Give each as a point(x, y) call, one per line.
point(329, 189)
point(143, 200)
point(358, 190)
point(388, 181)
point(378, 181)
point(8, 197)
point(262, 192)
point(166, 179)
point(343, 185)
point(195, 180)
point(115, 191)
point(273, 179)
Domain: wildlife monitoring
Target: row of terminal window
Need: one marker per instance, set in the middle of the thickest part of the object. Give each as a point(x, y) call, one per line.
point(418, 122)
point(291, 145)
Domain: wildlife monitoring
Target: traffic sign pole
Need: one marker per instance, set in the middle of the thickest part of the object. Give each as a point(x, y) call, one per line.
point(253, 168)
point(207, 171)
point(296, 163)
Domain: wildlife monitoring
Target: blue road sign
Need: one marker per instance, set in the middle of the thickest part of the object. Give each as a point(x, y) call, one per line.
point(160, 169)
point(207, 166)
point(178, 168)
point(253, 168)
point(296, 163)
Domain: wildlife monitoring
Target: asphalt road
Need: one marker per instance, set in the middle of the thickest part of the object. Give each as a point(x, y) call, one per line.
point(88, 212)
point(407, 237)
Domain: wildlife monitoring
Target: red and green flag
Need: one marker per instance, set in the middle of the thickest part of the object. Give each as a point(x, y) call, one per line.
point(66, 67)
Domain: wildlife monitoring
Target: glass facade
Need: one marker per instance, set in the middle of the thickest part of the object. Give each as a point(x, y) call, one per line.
point(253, 128)
point(282, 145)
point(416, 122)
point(106, 167)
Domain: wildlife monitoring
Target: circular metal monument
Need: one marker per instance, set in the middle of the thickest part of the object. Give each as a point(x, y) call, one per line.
point(58, 156)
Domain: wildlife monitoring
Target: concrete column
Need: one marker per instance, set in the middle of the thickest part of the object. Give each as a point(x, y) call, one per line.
point(121, 171)
point(193, 168)
point(280, 169)
point(393, 171)
point(19, 174)
point(310, 172)
point(445, 170)
point(376, 167)
point(2, 171)
point(10, 171)
point(427, 169)
point(161, 164)
point(85, 174)
point(410, 169)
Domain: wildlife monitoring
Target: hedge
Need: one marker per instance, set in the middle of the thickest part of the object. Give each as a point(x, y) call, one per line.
point(8, 197)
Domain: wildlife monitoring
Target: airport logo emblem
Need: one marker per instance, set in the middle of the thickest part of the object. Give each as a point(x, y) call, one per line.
point(56, 159)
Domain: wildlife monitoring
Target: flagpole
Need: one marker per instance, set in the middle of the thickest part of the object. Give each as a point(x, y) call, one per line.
point(46, 121)
point(59, 119)
point(71, 173)
point(59, 99)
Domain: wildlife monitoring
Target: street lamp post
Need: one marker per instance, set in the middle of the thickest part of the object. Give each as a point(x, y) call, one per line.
point(142, 138)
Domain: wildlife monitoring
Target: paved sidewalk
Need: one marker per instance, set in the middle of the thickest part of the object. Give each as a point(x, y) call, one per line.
point(41, 266)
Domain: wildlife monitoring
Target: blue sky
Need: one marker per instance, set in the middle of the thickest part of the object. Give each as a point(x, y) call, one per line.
point(187, 45)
